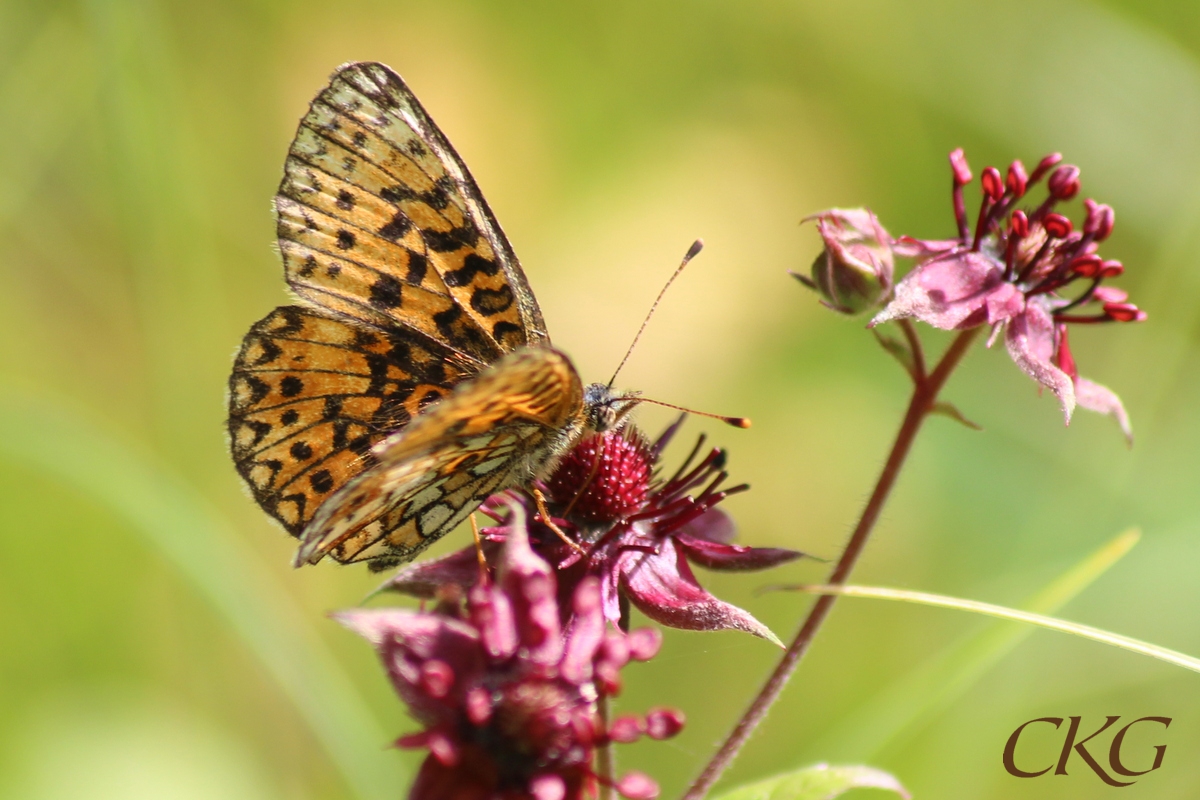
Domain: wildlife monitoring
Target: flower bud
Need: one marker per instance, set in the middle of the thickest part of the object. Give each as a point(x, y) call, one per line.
point(993, 184)
point(1057, 226)
point(1017, 180)
point(1044, 166)
point(960, 168)
point(854, 271)
point(1064, 182)
point(1099, 222)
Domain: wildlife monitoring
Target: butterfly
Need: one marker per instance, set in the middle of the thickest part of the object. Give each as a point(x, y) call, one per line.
point(415, 377)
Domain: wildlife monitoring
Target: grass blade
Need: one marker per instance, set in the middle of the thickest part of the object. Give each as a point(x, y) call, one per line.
point(938, 682)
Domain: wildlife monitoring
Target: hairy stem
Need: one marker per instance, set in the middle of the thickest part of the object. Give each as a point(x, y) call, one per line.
point(924, 396)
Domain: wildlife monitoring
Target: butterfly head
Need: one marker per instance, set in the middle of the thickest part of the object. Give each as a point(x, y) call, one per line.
point(605, 409)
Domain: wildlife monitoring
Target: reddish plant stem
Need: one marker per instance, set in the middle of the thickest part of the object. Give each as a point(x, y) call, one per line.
point(924, 396)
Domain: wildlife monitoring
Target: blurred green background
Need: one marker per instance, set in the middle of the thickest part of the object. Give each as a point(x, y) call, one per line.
point(155, 642)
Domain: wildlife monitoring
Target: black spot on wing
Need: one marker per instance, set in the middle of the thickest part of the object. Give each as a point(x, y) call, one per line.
point(395, 229)
point(270, 352)
point(345, 239)
point(451, 240)
point(418, 265)
point(473, 264)
point(492, 301)
point(508, 335)
point(291, 386)
point(258, 389)
point(290, 417)
point(301, 451)
point(321, 481)
point(385, 292)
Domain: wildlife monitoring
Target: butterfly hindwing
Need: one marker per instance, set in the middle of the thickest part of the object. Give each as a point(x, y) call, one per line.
point(380, 220)
point(309, 396)
point(496, 430)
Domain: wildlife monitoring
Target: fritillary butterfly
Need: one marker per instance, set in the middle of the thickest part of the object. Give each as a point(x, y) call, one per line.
point(416, 377)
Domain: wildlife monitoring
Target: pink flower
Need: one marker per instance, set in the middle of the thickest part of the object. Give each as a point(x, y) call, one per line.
point(1024, 273)
point(506, 698)
point(639, 535)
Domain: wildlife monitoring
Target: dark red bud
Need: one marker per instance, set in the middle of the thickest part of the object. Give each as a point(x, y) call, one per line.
point(1100, 219)
point(1112, 269)
point(1044, 165)
point(1017, 179)
point(1019, 224)
point(993, 186)
point(958, 163)
point(1124, 312)
point(1064, 182)
point(1087, 266)
point(1057, 226)
point(663, 723)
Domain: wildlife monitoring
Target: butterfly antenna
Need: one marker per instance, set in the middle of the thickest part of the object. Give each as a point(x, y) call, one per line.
point(737, 422)
point(692, 252)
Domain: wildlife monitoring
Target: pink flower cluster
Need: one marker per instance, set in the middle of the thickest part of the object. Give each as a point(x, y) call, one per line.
point(508, 673)
point(1024, 270)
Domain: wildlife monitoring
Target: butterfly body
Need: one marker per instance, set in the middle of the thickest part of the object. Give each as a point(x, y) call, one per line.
point(417, 377)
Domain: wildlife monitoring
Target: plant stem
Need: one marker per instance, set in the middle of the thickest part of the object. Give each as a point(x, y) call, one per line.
point(605, 763)
point(925, 392)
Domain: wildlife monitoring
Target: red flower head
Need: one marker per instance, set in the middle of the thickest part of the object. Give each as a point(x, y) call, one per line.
point(1026, 272)
point(508, 700)
point(637, 534)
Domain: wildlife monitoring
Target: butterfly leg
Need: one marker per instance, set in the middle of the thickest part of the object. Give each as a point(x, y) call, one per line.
point(540, 500)
point(483, 565)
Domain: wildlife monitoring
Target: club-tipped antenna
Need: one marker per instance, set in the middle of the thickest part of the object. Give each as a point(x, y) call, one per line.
point(737, 422)
point(692, 252)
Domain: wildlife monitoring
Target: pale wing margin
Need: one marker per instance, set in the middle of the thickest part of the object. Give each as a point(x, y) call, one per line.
point(493, 432)
point(414, 114)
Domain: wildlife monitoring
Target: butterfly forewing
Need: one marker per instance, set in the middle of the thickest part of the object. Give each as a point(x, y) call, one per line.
point(494, 431)
point(380, 220)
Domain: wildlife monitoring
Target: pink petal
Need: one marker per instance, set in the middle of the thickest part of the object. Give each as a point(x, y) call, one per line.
point(492, 613)
point(1095, 397)
point(908, 247)
point(663, 587)
point(529, 581)
point(586, 633)
point(1030, 340)
point(407, 641)
point(733, 557)
point(714, 525)
point(947, 292)
point(424, 578)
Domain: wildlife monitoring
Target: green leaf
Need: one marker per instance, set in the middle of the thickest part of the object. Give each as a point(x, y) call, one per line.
point(950, 410)
point(818, 782)
point(898, 350)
